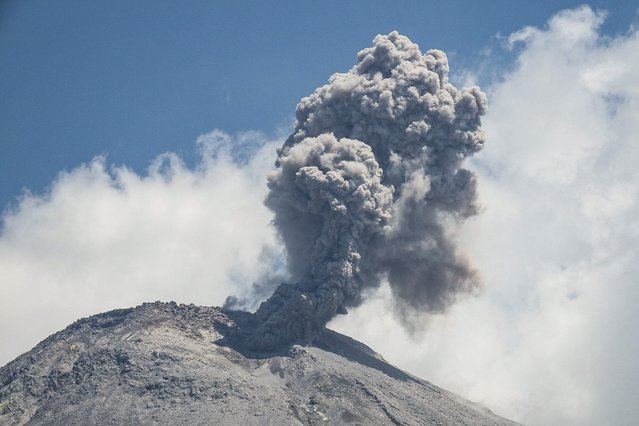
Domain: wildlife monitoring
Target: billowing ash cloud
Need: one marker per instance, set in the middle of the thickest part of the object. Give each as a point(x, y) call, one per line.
point(369, 185)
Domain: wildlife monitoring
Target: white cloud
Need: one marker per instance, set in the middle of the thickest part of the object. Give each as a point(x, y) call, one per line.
point(553, 340)
point(106, 237)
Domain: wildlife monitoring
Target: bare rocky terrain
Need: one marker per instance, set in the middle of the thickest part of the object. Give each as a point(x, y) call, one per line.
point(163, 363)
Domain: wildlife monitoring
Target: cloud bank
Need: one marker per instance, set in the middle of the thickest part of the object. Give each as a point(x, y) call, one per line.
point(554, 338)
point(105, 237)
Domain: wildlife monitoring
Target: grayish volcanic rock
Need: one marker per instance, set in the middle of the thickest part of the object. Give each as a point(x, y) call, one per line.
point(161, 363)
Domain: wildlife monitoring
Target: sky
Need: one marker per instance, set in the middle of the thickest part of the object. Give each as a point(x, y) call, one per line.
point(135, 140)
point(80, 79)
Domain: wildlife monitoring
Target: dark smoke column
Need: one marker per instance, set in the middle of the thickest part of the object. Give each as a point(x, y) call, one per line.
point(371, 185)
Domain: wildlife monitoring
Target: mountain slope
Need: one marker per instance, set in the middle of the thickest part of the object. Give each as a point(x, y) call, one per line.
point(161, 363)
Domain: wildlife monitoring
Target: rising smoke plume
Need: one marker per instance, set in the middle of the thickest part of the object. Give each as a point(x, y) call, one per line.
point(369, 186)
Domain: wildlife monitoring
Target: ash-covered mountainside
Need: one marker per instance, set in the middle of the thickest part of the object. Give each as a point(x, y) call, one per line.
point(163, 363)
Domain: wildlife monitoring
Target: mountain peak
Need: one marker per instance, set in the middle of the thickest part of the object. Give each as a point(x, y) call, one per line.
point(164, 363)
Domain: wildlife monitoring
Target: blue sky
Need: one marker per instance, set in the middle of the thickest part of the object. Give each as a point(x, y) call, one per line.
point(108, 111)
point(135, 79)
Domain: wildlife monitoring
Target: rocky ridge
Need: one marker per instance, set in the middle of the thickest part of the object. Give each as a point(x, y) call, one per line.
point(163, 363)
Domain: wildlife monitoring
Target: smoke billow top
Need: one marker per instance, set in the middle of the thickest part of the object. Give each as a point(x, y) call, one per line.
point(369, 186)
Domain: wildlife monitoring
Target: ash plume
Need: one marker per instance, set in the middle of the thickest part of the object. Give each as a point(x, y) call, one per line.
point(370, 185)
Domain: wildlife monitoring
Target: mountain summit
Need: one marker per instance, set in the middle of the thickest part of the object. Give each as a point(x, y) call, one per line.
point(163, 363)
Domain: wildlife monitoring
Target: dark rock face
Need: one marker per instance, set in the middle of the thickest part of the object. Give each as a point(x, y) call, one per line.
point(161, 363)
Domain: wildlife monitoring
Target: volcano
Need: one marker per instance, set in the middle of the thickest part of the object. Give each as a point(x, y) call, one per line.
point(164, 363)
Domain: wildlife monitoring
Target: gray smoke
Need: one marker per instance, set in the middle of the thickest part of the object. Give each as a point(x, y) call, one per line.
point(371, 185)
